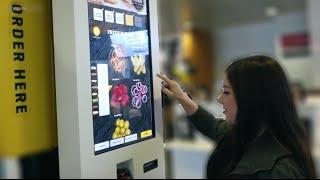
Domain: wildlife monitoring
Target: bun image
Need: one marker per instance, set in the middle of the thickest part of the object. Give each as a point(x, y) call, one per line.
point(111, 1)
point(128, 2)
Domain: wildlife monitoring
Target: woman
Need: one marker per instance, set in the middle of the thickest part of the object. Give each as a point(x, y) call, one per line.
point(262, 136)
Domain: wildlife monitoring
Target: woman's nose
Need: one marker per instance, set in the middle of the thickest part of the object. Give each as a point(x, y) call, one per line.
point(219, 99)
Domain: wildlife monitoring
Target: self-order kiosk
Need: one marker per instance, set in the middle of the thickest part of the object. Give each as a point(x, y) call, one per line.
point(108, 97)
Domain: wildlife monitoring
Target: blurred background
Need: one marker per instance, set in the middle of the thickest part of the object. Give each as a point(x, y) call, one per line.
point(198, 38)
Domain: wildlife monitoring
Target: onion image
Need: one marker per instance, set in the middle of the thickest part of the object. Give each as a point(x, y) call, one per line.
point(139, 94)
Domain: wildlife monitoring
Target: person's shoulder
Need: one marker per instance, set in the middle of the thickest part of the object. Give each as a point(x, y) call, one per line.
point(286, 167)
point(268, 158)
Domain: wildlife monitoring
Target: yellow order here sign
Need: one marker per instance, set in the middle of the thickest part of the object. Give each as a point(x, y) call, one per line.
point(28, 120)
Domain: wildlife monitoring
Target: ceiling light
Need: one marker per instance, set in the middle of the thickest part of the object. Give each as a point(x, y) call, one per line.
point(271, 11)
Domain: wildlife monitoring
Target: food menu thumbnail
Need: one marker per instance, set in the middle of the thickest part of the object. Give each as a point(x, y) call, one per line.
point(121, 73)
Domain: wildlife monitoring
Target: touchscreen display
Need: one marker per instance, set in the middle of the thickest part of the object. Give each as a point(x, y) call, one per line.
point(121, 73)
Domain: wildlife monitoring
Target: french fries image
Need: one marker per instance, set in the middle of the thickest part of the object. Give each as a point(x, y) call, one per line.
point(138, 62)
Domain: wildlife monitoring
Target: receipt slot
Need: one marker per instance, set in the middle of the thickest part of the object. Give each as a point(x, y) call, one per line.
point(108, 97)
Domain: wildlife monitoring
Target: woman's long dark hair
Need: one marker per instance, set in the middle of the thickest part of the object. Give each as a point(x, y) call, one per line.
point(264, 101)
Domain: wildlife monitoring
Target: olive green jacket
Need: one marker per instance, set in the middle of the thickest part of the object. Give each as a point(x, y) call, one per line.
point(265, 158)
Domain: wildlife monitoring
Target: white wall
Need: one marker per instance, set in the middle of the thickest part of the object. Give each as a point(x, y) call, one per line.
point(313, 14)
point(10, 168)
point(241, 40)
point(298, 69)
point(263, 37)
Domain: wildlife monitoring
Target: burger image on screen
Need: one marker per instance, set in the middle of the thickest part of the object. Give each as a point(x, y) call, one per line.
point(117, 60)
point(127, 2)
point(111, 1)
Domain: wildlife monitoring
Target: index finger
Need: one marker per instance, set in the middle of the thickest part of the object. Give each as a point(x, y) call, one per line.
point(164, 77)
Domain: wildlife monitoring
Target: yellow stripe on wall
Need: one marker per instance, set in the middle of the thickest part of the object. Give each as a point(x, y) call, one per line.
point(28, 120)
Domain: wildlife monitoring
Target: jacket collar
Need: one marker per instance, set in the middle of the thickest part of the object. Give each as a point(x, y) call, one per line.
point(261, 155)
